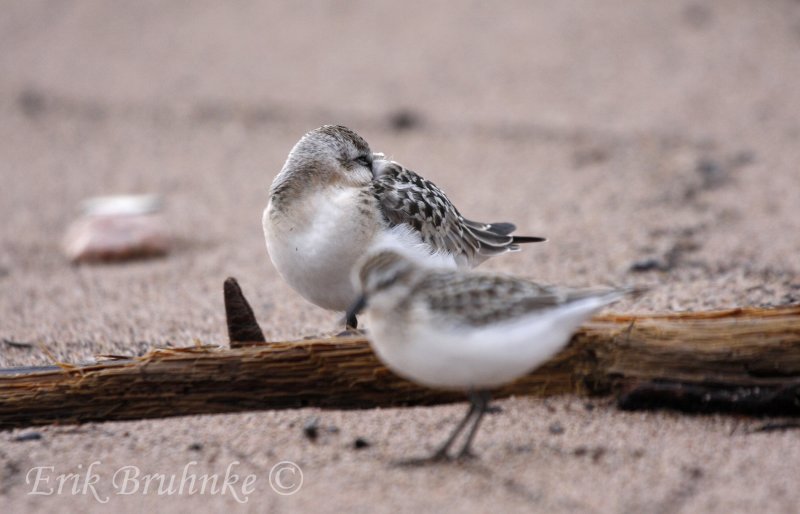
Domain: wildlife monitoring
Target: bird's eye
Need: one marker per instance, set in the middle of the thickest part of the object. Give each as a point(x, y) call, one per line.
point(363, 160)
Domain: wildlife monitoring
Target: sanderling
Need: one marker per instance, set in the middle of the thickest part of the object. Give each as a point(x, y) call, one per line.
point(465, 331)
point(334, 199)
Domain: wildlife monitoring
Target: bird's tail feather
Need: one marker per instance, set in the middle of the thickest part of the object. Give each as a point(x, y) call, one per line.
point(527, 239)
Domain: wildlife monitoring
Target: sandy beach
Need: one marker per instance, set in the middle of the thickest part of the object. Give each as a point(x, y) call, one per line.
point(631, 134)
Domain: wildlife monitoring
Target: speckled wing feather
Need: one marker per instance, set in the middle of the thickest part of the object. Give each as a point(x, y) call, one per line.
point(406, 198)
point(481, 299)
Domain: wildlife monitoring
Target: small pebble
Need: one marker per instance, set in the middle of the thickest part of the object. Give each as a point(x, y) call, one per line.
point(404, 119)
point(695, 472)
point(360, 443)
point(649, 264)
point(117, 228)
point(196, 447)
point(311, 429)
point(743, 158)
point(598, 453)
point(28, 436)
point(32, 103)
point(698, 15)
point(712, 172)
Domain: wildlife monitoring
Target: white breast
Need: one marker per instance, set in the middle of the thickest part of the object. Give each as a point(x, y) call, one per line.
point(315, 247)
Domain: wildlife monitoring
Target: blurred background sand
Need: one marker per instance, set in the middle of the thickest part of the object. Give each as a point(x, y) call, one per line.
point(632, 134)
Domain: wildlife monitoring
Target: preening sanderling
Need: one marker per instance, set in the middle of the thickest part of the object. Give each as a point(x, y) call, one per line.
point(334, 199)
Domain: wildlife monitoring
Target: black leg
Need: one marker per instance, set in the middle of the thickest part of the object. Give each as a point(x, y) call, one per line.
point(351, 321)
point(352, 311)
point(441, 452)
point(480, 401)
point(478, 406)
point(350, 327)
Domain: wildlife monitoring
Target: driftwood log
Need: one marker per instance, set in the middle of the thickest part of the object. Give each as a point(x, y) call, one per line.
point(742, 360)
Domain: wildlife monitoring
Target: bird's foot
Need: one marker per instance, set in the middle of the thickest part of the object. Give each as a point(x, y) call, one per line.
point(438, 457)
point(352, 332)
point(466, 455)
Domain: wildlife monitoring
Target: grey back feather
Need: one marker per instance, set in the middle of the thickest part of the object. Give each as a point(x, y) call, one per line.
point(406, 198)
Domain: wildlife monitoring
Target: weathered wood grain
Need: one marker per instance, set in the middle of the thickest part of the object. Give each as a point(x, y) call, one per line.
point(752, 351)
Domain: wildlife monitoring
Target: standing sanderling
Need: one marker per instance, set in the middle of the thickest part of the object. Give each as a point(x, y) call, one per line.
point(465, 331)
point(335, 198)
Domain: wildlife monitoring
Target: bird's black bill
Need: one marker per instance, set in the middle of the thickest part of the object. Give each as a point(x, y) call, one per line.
point(354, 310)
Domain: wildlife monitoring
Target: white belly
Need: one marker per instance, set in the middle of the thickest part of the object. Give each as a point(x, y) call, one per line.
point(315, 253)
point(475, 358)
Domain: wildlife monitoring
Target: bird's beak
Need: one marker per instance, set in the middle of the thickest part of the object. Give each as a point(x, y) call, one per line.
point(357, 306)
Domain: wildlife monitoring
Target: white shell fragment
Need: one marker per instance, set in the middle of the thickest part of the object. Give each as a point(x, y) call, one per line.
point(117, 228)
point(122, 204)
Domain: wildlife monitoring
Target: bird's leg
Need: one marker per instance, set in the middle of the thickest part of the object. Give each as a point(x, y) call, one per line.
point(480, 401)
point(351, 322)
point(350, 326)
point(441, 452)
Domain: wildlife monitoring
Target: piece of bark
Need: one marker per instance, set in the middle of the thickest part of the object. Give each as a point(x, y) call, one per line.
point(239, 316)
point(741, 348)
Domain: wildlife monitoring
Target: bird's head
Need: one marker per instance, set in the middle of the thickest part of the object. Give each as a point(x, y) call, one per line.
point(330, 155)
point(383, 278)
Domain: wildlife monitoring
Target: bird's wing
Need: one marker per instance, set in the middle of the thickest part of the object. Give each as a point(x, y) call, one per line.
point(407, 198)
point(480, 299)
